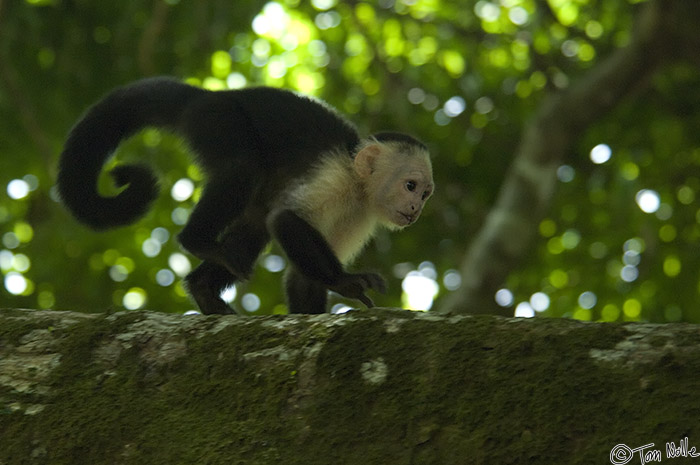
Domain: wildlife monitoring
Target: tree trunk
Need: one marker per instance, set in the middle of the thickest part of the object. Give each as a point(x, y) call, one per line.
point(370, 387)
point(664, 30)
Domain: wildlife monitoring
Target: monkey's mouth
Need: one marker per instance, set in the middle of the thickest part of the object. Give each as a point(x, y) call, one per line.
point(405, 218)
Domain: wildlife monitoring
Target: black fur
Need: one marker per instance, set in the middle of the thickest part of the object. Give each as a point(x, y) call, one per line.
point(251, 143)
point(399, 137)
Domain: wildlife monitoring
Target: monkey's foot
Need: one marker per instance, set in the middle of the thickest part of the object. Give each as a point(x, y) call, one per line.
point(208, 301)
point(354, 286)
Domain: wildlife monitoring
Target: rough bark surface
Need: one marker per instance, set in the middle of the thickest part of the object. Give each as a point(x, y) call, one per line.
point(372, 387)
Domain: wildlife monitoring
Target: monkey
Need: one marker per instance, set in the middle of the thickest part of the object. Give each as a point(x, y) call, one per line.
point(278, 165)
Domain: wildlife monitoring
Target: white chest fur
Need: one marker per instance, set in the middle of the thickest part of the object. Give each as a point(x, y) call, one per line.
point(336, 204)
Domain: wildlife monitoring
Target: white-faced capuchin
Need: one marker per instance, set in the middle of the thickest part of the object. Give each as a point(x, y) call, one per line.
point(277, 165)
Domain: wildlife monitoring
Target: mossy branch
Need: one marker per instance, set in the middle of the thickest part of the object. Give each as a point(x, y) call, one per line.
point(372, 387)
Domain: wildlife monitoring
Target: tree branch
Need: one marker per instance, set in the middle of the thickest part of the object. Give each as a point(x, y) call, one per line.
point(376, 387)
point(150, 36)
point(529, 185)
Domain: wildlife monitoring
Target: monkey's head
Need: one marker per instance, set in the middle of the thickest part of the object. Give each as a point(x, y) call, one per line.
point(397, 175)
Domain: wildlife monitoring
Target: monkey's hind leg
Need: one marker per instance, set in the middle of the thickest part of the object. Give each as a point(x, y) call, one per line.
point(240, 246)
point(223, 201)
point(303, 294)
point(205, 285)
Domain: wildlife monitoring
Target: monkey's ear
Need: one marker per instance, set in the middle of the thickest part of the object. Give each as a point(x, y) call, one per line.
point(366, 159)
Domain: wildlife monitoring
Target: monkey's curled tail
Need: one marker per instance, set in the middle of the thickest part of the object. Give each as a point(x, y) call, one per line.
point(151, 102)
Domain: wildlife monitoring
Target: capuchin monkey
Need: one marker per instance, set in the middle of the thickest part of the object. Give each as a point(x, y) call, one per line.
point(277, 165)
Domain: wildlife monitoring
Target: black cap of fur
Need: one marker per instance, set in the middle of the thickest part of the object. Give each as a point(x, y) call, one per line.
point(398, 137)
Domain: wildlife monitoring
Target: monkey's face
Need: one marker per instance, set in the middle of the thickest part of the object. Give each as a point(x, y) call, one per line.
point(404, 194)
point(402, 190)
point(398, 184)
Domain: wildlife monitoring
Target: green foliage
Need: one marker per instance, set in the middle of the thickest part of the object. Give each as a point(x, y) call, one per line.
point(463, 76)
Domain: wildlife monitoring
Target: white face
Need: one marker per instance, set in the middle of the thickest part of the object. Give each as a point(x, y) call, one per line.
point(398, 184)
point(405, 192)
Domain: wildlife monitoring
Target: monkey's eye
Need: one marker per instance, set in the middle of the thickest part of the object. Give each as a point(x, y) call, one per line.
point(426, 194)
point(411, 186)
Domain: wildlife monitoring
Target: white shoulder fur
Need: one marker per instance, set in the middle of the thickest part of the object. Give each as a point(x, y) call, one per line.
point(332, 198)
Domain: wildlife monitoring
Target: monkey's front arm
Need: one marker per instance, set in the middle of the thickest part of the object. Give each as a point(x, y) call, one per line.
point(312, 256)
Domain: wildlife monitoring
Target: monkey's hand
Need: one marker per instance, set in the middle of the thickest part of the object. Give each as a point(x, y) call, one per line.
point(355, 285)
